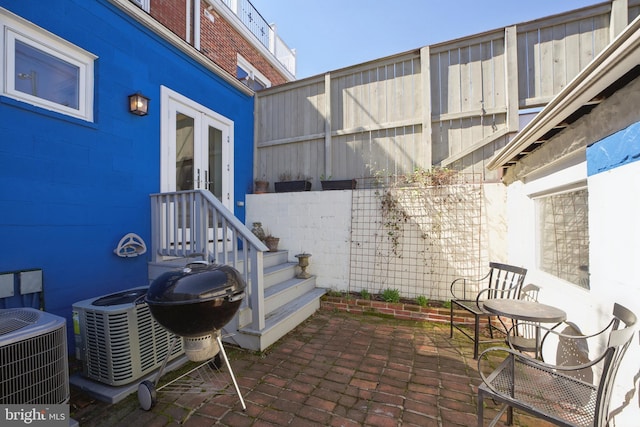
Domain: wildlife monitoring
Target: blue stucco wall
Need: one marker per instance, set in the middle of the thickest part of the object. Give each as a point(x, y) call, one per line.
point(619, 149)
point(70, 189)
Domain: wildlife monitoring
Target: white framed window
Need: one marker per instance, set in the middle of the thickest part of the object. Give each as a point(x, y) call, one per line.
point(144, 4)
point(250, 76)
point(563, 234)
point(44, 70)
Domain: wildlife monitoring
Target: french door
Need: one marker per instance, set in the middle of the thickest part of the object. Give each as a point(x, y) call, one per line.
point(197, 148)
point(196, 153)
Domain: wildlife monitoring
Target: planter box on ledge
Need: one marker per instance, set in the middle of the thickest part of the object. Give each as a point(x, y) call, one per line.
point(339, 184)
point(288, 186)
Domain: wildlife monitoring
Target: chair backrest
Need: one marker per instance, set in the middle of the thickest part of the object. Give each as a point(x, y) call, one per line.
point(527, 330)
point(573, 350)
point(529, 292)
point(505, 281)
point(619, 340)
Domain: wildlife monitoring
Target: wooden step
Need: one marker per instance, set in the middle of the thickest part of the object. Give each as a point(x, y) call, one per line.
point(277, 295)
point(281, 321)
point(278, 274)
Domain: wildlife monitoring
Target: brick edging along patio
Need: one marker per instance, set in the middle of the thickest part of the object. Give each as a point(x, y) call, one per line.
point(401, 311)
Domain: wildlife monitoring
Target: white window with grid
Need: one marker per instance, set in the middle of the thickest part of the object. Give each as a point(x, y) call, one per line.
point(44, 70)
point(563, 234)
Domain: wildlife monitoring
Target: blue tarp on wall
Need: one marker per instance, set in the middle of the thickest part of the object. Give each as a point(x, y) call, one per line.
point(616, 150)
point(72, 189)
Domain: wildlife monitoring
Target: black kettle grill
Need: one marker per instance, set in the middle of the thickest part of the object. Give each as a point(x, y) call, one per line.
point(194, 303)
point(197, 300)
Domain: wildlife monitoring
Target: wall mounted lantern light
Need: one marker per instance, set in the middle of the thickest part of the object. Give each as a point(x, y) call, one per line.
point(138, 104)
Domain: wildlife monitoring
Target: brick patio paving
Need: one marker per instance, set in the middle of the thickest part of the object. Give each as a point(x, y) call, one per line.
point(336, 369)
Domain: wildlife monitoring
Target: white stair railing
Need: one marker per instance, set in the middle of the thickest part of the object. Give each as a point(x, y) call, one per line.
point(185, 223)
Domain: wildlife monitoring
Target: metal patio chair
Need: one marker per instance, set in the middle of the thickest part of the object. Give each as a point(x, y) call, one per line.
point(502, 281)
point(575, 391)
point(521, 335)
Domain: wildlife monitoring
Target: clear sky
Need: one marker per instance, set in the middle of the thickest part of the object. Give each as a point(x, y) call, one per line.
point(332, 34)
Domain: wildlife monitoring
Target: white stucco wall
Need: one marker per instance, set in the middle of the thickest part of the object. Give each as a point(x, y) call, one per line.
point(614, 254)
point(496, 220)
point(579, 303)
point(614, 233)
point(523, 243)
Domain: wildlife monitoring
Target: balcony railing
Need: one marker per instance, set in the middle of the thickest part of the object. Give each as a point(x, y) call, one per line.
point(265, 33)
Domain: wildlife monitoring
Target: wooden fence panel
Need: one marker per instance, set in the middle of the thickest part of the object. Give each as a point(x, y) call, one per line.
point(434, 74)
point(373, 97)
point(477, 108)
point(376, 110)
point(551, 52)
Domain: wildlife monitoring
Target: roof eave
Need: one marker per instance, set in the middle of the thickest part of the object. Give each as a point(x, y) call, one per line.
point(605, 69)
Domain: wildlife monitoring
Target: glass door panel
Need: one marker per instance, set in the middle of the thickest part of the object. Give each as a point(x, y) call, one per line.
point(215, 164)
point(184, 152)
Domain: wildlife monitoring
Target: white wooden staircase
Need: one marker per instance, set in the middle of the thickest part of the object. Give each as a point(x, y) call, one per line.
point(288, 302)
point(276, 300)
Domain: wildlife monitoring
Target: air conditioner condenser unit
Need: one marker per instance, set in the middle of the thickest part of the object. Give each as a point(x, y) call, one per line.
point(34, 365)
point(118, 340)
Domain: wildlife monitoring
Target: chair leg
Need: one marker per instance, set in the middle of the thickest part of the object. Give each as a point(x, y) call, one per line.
point(476, 337)
point(480, 409)
point(490, 327)
point(451, 322)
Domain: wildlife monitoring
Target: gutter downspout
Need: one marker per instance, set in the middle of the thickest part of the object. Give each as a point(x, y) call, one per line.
point(196, 25)
point(187, 35)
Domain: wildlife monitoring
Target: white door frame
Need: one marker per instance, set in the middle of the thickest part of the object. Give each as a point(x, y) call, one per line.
point(169, 101)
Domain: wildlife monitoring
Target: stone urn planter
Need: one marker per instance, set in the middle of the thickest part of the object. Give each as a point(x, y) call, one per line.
point(258, 231)
point(303, 263)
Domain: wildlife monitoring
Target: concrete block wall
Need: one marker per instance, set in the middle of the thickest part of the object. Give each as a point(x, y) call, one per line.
point(315, 222)
point(319, 222)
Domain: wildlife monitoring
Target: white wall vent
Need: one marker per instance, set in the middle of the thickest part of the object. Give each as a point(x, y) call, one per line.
point(34, 366)
point(118, 340)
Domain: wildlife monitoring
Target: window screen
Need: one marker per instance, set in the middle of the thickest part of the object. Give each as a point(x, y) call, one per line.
point(564, 236)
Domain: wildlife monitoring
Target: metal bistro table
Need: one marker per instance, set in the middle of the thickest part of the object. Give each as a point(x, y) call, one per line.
point(529, 311)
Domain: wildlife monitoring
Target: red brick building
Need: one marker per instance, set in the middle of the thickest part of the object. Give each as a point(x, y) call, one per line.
point(232, 33)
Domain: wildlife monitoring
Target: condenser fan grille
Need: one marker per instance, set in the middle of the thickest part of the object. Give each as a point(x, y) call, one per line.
point(112, 340)
point(35, 370)
point(154, 340)
point(14, 320)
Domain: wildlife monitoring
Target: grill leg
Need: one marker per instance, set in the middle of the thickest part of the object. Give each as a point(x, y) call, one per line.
point(233, 377)
point(174, 341)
